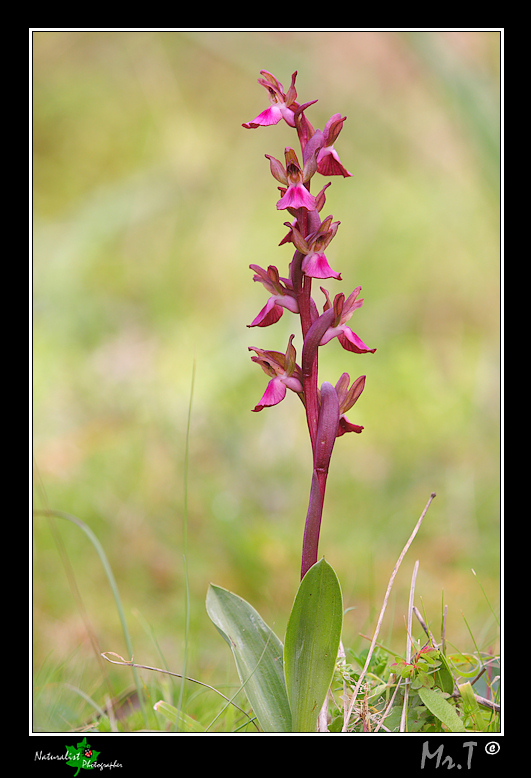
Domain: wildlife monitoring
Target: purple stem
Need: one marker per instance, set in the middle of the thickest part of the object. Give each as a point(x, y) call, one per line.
point(325, 439)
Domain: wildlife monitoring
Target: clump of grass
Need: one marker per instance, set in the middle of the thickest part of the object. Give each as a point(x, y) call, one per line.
point(429, 689)
point(423, 691)
point(53, 514)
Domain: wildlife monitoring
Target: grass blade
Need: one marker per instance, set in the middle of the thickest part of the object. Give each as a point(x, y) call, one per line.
point(112, 583)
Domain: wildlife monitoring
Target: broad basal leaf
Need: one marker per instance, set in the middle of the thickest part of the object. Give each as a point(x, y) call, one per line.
point(258, 655)
point(312, 643)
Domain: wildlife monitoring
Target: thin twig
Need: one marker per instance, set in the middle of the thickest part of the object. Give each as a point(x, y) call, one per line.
point(384, 606)
point(485, 666)
point(130, 663)
point(425, 627)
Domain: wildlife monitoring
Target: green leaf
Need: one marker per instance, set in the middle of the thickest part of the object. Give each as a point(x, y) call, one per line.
point(443, 676)
point(312, 643)
point(403, 669)
point(258, 655)
point(422, 679)
point(431, 656)
point(460, 662)
point(442, 709)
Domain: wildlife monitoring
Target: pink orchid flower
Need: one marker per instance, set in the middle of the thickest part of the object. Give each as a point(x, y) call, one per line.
point(283, 106)
point(285, 374)
point(282, 296)
point(328, 162)
point(343, 310)
point(320, 200)
point(315, 263)
point(293, 177)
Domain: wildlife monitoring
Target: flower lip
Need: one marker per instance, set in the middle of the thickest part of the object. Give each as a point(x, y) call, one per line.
point(274, 393)
point(346, 426)
point(297, 196)
point(270, 116)
point(329, 164)
point(315, 265)
point(274, 309)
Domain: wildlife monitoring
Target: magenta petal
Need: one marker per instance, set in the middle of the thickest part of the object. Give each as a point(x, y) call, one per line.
point(274, 393)
point(297, 196)
point(271, 115)
point(350, 341)
point(273, 310)
point(316, 266)
point(329, 164)
point(270, 314)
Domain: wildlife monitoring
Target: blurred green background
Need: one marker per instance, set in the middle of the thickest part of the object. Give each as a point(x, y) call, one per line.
point(150, 201)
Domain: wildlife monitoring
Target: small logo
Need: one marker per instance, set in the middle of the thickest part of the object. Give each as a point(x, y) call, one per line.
point(82, 757)
point(492, 747)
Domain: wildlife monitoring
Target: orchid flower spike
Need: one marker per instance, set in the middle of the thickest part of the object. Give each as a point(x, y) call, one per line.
point(284, 372)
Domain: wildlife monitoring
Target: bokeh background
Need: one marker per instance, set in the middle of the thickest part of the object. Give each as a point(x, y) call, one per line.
point(150, 201)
